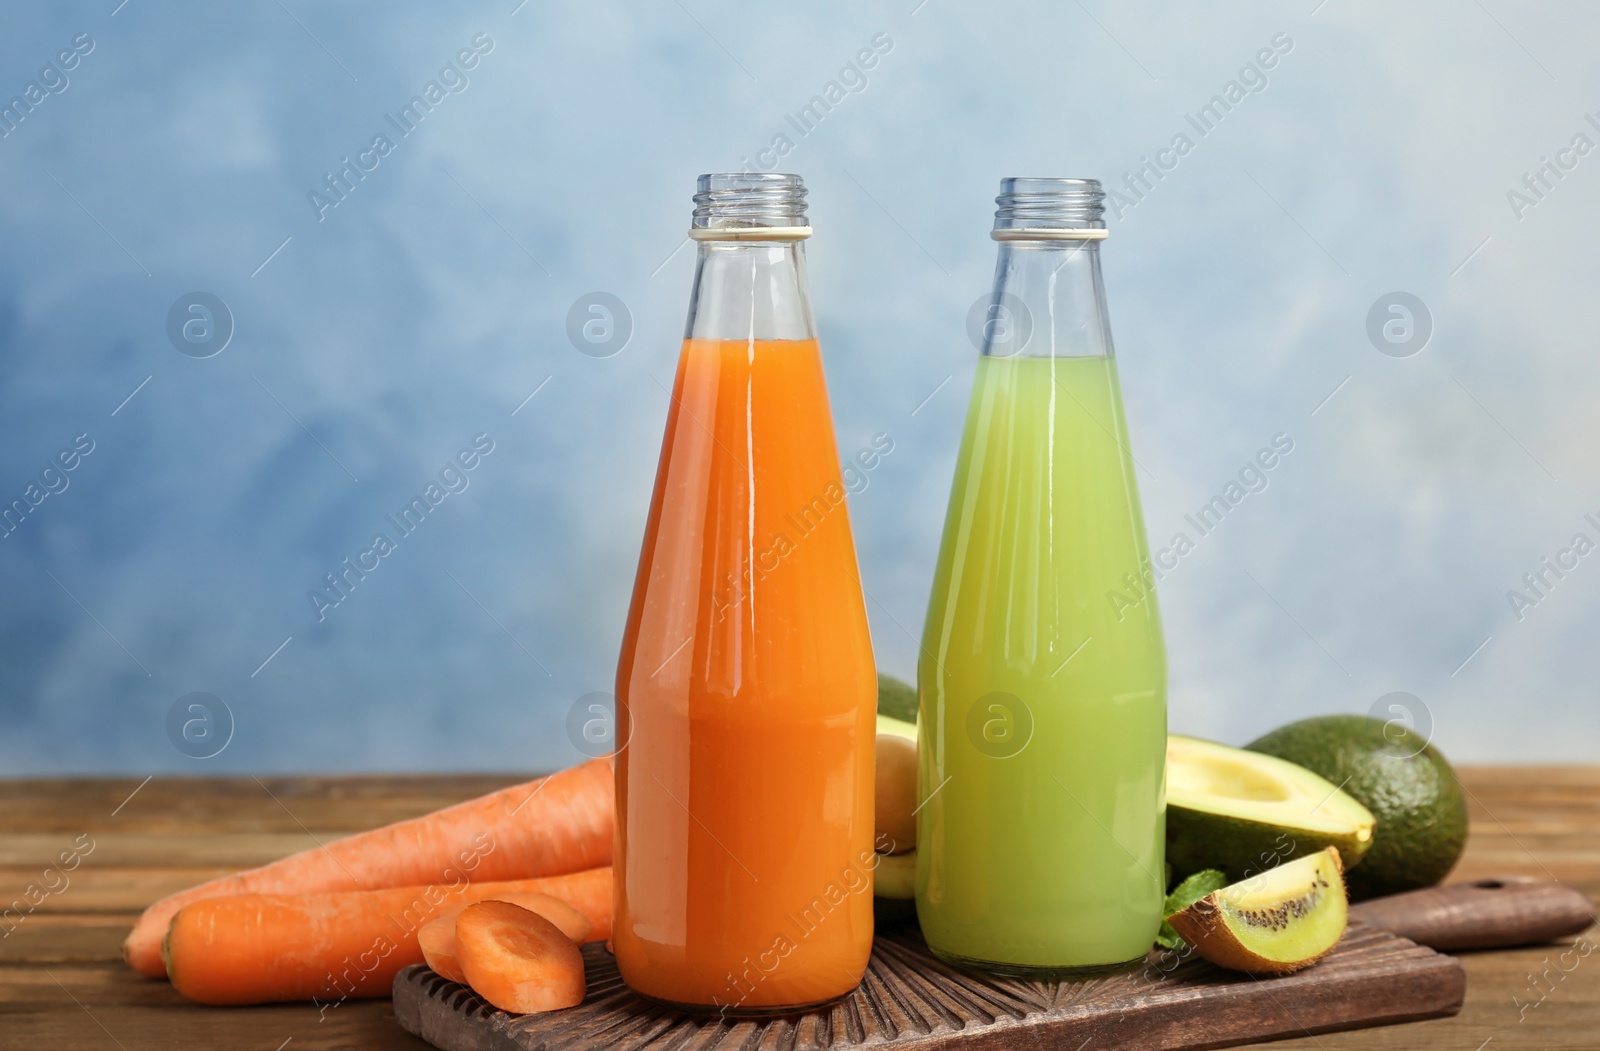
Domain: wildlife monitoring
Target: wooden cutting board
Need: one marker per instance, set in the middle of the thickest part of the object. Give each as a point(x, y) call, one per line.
point(909, 1000)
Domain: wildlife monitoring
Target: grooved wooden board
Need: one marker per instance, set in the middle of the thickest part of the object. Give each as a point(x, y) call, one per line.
point(909, 1000)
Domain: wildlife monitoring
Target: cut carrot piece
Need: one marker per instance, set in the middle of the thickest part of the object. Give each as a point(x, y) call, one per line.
point(555, 825)
point(437, 937)
point(261, 948)
point(568, 920)
point(518, 960)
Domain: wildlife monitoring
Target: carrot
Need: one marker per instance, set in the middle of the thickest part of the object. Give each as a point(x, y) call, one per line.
point(262, 948)
point(437, 937)
point(518, 960)
point(554, 825)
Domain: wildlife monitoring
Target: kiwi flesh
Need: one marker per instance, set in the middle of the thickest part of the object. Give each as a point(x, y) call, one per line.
point(1281, 920)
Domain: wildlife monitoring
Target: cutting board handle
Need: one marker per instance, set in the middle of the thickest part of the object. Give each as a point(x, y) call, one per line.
point(1493, 913)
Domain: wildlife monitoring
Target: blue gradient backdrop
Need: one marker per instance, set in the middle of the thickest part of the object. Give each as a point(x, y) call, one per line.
point(1378, 154)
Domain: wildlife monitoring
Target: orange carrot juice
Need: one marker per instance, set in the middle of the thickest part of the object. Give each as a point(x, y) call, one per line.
point(746, 698)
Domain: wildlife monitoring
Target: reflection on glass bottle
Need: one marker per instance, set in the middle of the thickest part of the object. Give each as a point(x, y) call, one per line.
point(1043, 743)
point(746, 690)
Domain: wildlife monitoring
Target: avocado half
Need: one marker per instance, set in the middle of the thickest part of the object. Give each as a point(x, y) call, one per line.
point(1278, 921)
point(1244, 812)
point(888, 724)
point(895, 876)
point(894, 879)
point(894, 891)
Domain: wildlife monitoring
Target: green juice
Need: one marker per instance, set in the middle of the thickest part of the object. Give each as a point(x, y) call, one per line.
point(1043, 702)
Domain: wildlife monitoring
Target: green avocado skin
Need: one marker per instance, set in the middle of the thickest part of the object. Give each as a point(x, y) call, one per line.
point(896, 699)
point(1407, 784)
point(1240, 848)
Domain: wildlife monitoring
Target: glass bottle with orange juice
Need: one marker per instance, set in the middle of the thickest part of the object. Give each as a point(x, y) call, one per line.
point(746, 690)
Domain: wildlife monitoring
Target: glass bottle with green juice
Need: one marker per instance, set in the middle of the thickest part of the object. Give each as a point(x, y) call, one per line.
point(1043, 702)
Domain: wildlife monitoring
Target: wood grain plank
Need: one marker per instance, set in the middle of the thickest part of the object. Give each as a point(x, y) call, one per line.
point(1524, 820)
point(266, 804)
point(41, 850)
point(62, 939)
point(104, 889)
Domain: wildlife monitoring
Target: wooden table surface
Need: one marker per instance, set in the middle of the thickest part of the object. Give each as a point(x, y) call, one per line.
point(63, 983)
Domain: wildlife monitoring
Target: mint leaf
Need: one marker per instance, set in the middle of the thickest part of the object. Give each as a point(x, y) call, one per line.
point(1185, 894)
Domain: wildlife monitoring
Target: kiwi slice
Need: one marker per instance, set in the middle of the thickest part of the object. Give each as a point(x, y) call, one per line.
point(1282, 920)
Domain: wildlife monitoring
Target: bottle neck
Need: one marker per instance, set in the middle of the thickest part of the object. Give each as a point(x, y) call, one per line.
point(1049, 301)
point(750, 274)
point(752, 290)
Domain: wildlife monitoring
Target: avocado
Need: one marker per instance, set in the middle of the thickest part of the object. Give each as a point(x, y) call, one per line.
point(894, 797)
point(1243, 812)
point(1406, 783)
point(1282, 920)
point(895, 876)
point(897, 699)
point(888, 724)
point(895, 891)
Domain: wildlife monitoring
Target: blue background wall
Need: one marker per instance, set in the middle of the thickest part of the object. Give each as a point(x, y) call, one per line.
point(373, 341)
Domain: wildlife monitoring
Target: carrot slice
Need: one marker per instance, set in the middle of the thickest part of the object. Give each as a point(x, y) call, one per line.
point(518, 960)
point(261, 948)
point(568, 920)
point(437, 937)
point(548, 827)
